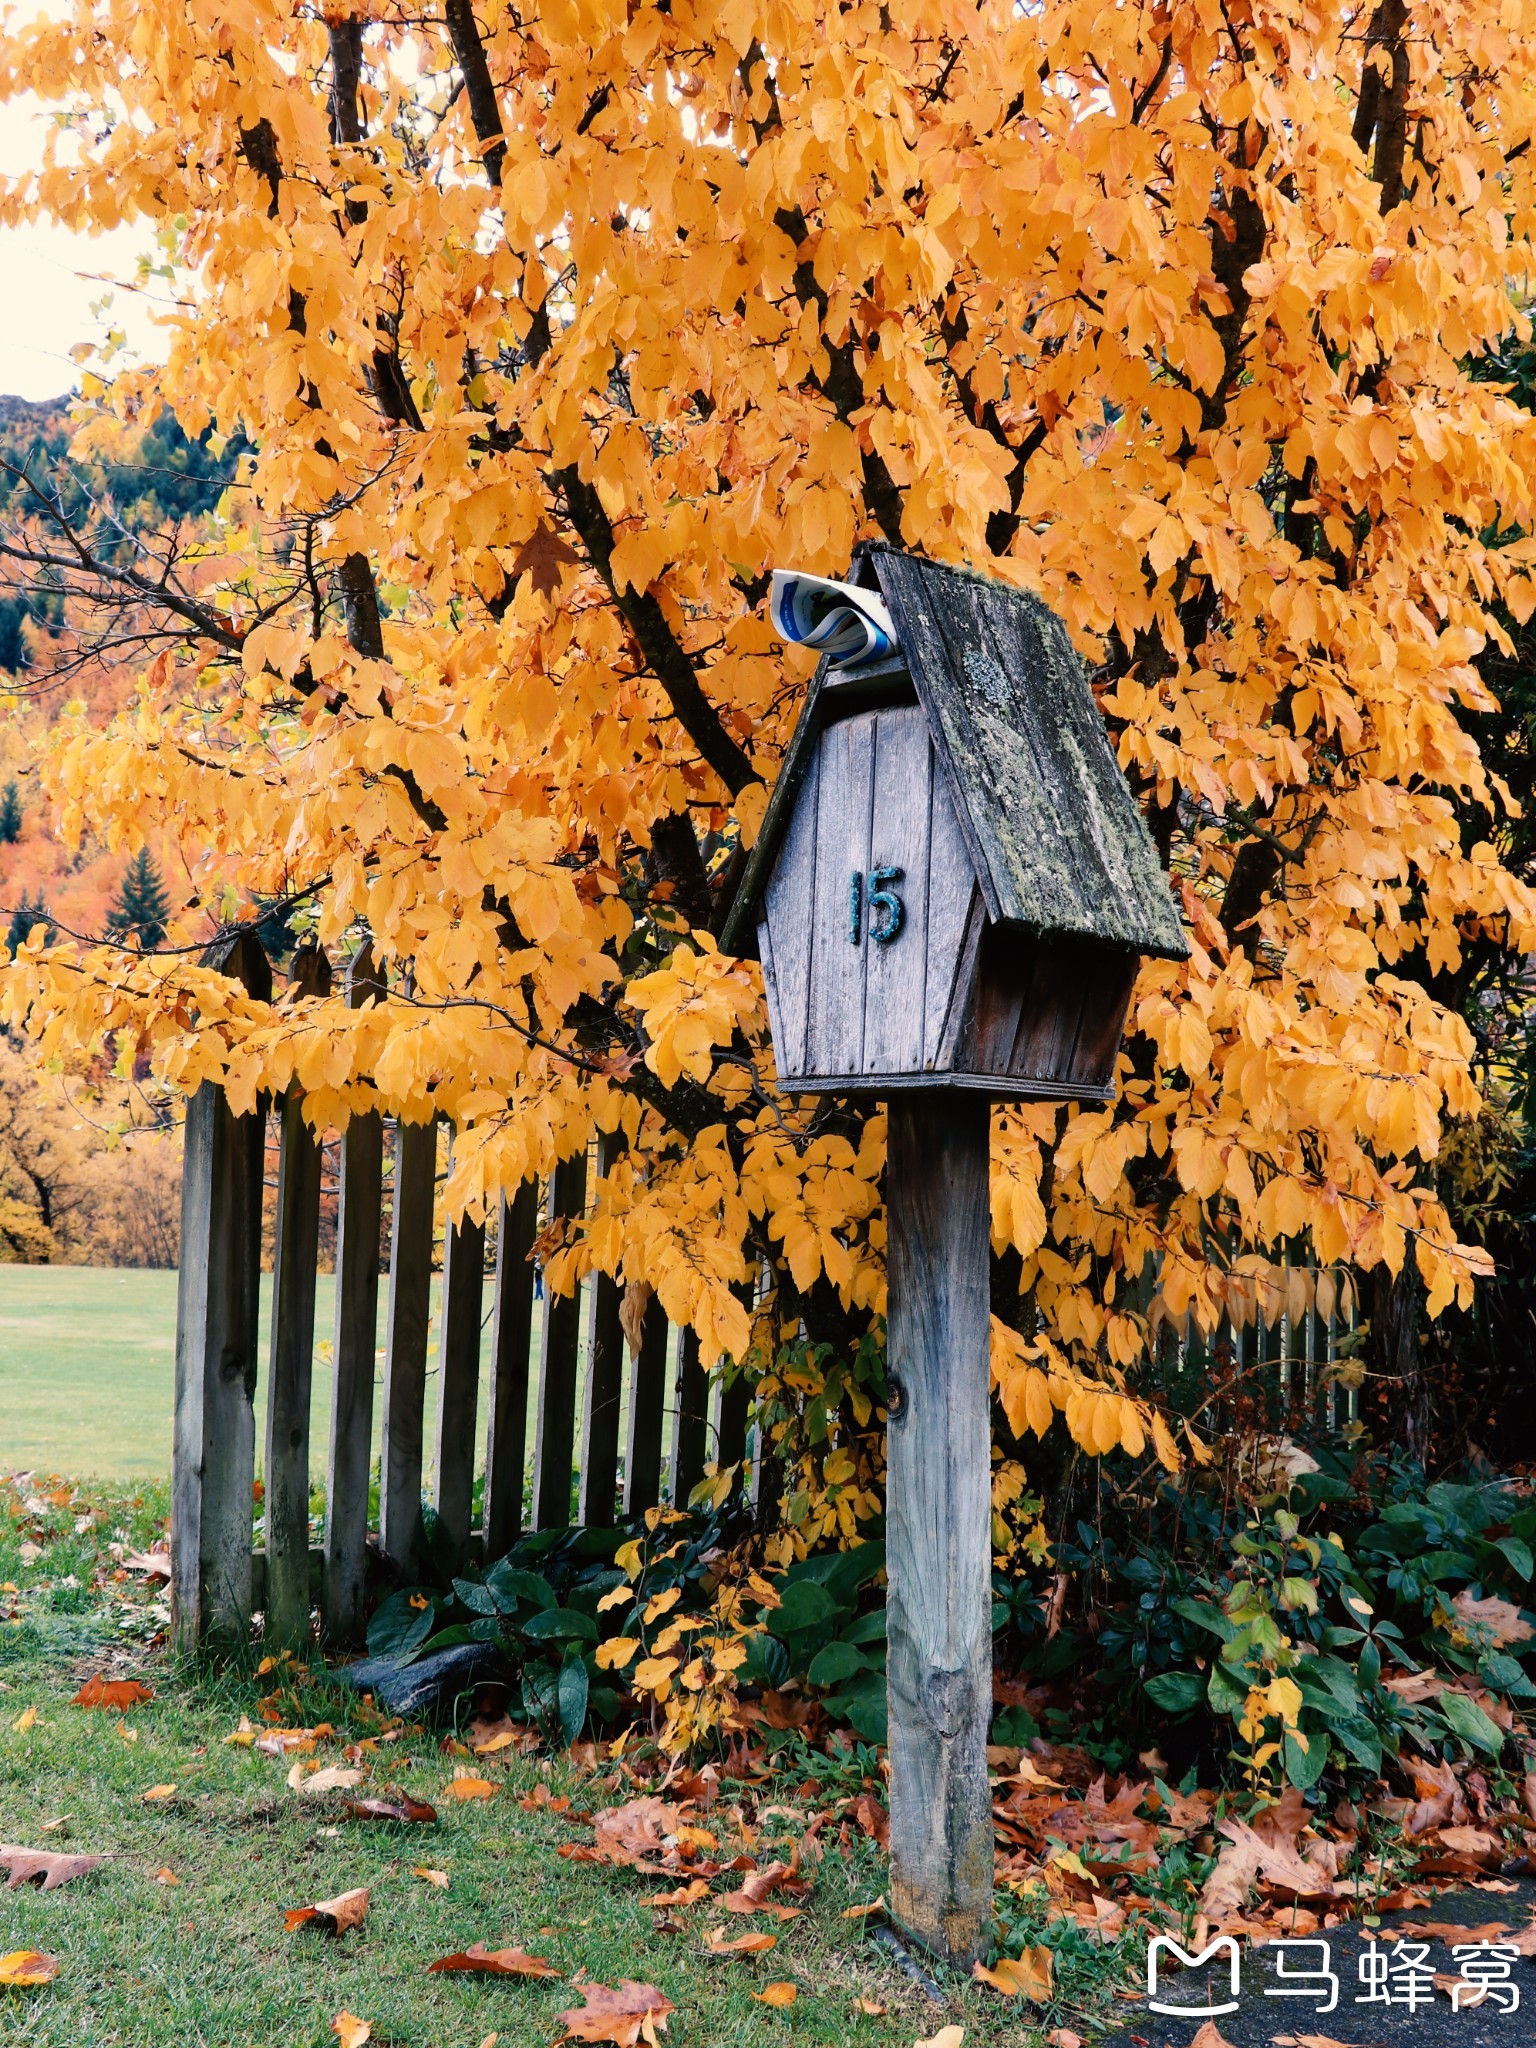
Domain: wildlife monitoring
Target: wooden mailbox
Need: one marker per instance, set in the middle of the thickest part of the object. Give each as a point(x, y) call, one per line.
point(950, 894)
point(953, 884)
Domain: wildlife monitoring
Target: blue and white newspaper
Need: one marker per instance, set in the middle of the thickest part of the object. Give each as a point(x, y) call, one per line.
point(837, 620)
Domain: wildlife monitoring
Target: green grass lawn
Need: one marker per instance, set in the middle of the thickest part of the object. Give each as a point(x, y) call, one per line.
point(87, 1370)
point(206, 1961)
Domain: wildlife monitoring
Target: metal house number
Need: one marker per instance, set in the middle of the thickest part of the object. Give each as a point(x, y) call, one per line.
point(887, 912)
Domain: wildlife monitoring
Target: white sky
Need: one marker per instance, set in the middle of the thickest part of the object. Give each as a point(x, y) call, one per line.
point(49, 278)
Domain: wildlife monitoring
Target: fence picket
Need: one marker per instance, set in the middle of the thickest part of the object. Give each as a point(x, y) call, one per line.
point(295, 1256)
point(458, 1378)
point(358, 1214)
point(408, 1318)
point(554, 1440)
point(218, 1287)
point(691, 1390)
point(647, 1413)
point(604, 1381)
point(506, 1439)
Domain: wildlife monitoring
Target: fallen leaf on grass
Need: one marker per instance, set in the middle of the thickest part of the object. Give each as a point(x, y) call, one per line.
point(871, 2006)
point(350, 2030)
point(753, 1895)
point(1028, 1973)
point(31, 1552)
point(116, 1694)
point(494, 1962)
point(401, 1808)
point(470, 1787)
point(45, 1867)
point(158, 1794)
point(165, 1875)
point(1063, 2037)
point(334, 1778)
point(334, 1916)
point(25, 1721)
point(946, 2037)
point(739, 1945)
point(437, 1877)
point(154, 1564)
point(504, 1739)
point(624, 2016)
point(28, 1966)
point(863, 1912)
point(686, 1894)
point(871, 1817)
point(778, 1995)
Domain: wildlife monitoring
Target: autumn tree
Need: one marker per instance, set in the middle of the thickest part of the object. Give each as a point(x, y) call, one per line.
point(550, 338)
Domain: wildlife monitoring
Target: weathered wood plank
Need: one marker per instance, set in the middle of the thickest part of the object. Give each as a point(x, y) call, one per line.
point(845, 795)
point(357, 1316)
point(788, 906)
point(896, 970)
point(295, 1256)
point(647, 1413)
point(214, 1428)
point(603, 1395)
point(1110, 982)
point(559, 1355)
point(692, 1388)
point(506, 1443)
point(407, 1320)
point(938, 1519)
point(458, 1380)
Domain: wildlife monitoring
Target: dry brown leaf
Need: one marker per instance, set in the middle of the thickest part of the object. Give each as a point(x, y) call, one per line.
point(686, 1894)
point(640, 1834)
point(1063, 2037)
point(1501, 1618)
point(28, 1966)
point(503, 1739)
point(400, 1808)
point(1210, 2036)
point(864, 1912)
point(1028, 1973)
point(749, 1944)
point(946, 2037)
point(624, 2016)
point(778, 1995)
point(467, 1786)
point(334, 1778)
point(116, 1694)
point(437, 1877)
point(158, 1794)
point(872, 1817)
point(871, 2006)
point(165, 1875)
point(154, 1564)
point(46, 1868)
point(332, 1916)
point(350, 2030)
point(481, 1961)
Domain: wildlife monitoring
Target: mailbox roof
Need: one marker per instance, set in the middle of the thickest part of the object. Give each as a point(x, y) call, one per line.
point(1056, 837)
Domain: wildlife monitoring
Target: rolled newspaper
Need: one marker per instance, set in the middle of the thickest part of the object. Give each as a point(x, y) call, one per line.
point(837, 620)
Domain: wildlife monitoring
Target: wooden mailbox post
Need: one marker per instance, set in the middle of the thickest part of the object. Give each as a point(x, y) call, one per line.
point(950, 895)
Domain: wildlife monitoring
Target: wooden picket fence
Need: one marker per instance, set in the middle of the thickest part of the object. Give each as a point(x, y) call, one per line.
point(586, 1387)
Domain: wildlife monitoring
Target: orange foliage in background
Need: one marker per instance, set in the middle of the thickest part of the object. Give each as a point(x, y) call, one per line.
point(553, 336)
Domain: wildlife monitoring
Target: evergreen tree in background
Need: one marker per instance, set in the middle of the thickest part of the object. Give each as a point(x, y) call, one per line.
point(13, 648)
point(142, 905)
point(10, 813)
point(26, 914)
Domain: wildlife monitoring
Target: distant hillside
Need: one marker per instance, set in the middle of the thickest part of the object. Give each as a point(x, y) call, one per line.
point(109, 476)
point(142, 477)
